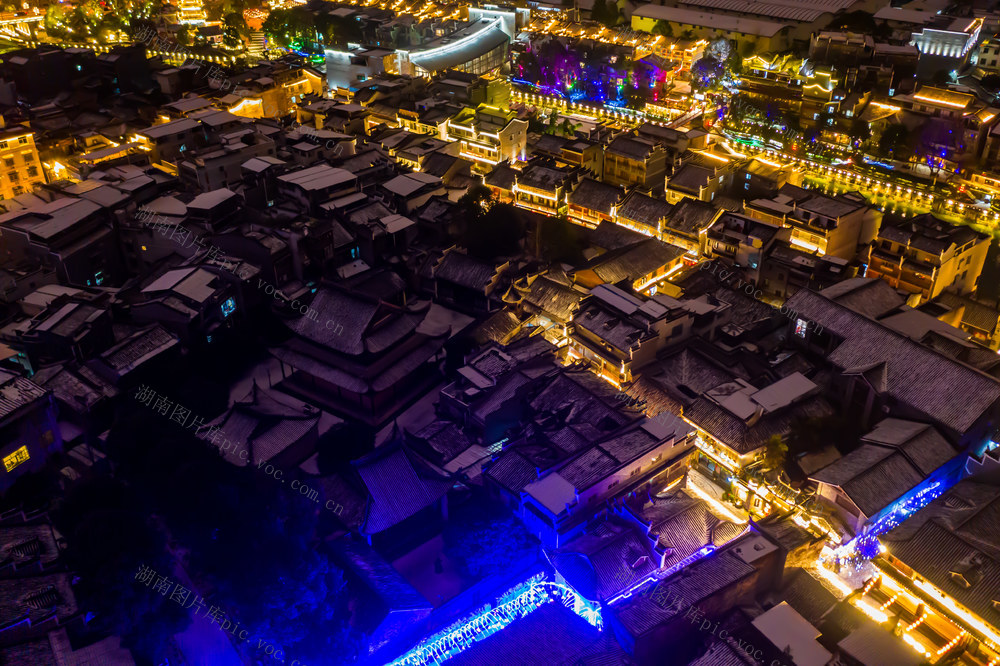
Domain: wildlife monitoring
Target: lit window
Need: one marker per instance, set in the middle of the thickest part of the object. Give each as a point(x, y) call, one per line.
point(801, 326)
point(14, 459)
point(228, 307)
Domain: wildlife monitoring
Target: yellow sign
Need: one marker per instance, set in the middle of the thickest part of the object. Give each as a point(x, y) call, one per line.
point(14, 459)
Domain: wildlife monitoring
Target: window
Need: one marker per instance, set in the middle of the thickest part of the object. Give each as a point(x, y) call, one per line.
point(22, 140)
point(8, 161)
point(32, 171)
point(801, 327)
point(14, 459)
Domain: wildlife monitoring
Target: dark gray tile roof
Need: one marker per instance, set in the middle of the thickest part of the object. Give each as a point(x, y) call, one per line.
point(399, 485)
point(465, 271)
point(512, 471)
point(17, 392)
point(690, 178)
point(588, 468)
point(644, 209)
point(870, 297)
point(689, 216)
point(607, 559)
point(552, 297)
point(611, 236)
point(595, 195)
point(631, 147)
point(680, 524)
point(689, 586)
point(806, 595)
point(976, 315)
point(956, 528)
point(943, 389)
point(635, 261)
point(139, 348)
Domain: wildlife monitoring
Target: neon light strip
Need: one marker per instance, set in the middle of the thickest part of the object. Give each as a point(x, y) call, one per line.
point(531, 595)
point(447, 48)
point(702, 552)
point(954, 105)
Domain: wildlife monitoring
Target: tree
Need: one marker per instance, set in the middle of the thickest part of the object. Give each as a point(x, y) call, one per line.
point(941, 77)
point(559, 240)
point(662, 27)
point(775, 452)
point(234, 30)
point(286, 593)
point(109, 537)
point(605, 13)
point(895, 142)
point(483, 538)
point(497, 233)
point(809, 435)
point(342, 443)
point(183, 37)
point(991, 82)
point(859, 130)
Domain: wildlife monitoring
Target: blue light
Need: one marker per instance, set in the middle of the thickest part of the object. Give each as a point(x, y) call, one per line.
point(510, 607)
point(866, 545)
point(705, 551)
point(228, 307)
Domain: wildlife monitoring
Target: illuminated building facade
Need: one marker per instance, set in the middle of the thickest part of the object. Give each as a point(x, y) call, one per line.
point(926, 256)
point(477, 48)
point(191, 12)
point(21, 168)
point(488, 135)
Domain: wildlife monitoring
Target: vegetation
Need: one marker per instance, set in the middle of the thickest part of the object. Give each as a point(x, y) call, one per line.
point(489, 229)
point(775, 453)
point(237, 533)
point(605, 13)
point(484, 539)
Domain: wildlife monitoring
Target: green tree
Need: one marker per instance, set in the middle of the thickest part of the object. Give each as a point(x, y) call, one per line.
point(775, 452)
point(662, 27)
point(183, 37)
point(286, 593)
point(896, 142)
point(109, 538)
point(234, 30)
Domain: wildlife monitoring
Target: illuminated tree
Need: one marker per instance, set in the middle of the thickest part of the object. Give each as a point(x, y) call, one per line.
point(775, 452)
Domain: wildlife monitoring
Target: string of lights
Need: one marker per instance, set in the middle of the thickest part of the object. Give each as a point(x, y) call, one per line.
point(527, 598)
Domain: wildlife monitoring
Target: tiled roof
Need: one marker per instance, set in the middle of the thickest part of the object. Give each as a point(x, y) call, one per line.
point(144, 345)
point(465, 271)
point(398, 484)
point(688, 586)
point(606, 560)
point(595, 195)
point(690, 216)
point(512, 471)
point(743, 438)
point(552, 635)
point(16, 392)
point(959, 528)
point(943, 389)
